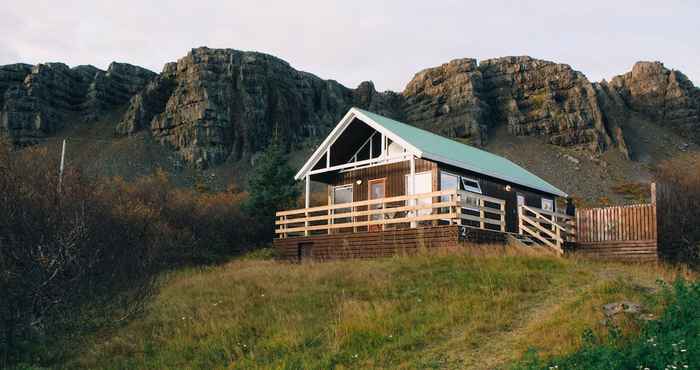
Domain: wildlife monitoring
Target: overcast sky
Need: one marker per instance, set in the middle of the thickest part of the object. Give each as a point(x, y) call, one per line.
point(356, 40)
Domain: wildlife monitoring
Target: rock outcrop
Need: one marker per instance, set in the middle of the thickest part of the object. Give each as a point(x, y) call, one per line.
point(217, 103)
point(532, 97)
point(447, 100)
point(666, 96)
point(36, 101)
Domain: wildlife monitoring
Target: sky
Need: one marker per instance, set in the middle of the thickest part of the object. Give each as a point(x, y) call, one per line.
point(353, 41)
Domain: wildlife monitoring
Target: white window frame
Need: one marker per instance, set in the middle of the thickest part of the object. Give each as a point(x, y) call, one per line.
point(544, 200)
point(471, 188)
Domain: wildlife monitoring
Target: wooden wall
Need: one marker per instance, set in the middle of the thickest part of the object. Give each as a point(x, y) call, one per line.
point(623, 232)
point(381, 243)
point(394, 173)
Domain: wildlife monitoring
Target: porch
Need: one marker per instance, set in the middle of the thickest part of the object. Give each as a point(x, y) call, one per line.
point(467, 211)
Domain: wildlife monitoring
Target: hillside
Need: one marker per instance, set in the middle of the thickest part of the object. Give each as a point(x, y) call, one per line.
point(208, 115)
point(479, 310)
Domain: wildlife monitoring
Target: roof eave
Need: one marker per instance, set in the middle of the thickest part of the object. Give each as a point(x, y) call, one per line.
point(554, 191)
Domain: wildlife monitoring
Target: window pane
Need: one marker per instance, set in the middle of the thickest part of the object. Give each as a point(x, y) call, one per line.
point(548, 205)
point(343, 194)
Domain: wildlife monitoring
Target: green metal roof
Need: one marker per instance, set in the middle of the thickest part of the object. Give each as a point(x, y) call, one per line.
point(448, 151)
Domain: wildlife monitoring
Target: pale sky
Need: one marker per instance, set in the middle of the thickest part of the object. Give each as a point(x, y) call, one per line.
point(352, 41)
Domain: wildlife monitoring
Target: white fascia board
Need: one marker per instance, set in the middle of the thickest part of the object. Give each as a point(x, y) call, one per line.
point(492, 174)
point(405, 144)
point(321, 150)
point(340, 128)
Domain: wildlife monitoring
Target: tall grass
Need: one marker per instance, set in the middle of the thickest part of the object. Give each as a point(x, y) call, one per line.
point(427, 311)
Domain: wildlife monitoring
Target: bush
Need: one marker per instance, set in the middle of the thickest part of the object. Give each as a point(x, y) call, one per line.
point(89, 254)
point(678, 210)
point(671, 342)
point(63, 254)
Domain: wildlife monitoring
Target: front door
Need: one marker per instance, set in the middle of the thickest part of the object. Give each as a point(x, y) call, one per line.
point(377, 190)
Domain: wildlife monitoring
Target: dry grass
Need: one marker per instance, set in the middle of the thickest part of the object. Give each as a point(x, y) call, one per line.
point(476, 309)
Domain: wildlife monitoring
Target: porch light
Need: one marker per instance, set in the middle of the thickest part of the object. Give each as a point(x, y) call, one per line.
point(358, 182)
point(508, 188)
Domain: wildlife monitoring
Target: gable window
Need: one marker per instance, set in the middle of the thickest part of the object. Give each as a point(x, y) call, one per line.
point(548, 204)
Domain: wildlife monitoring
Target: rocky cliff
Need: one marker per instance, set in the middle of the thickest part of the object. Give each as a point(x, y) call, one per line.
point(36, 101)
point(664, 95)
point(219, 104)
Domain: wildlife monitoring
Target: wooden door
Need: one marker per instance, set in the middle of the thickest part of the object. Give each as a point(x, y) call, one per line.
point(377, 190)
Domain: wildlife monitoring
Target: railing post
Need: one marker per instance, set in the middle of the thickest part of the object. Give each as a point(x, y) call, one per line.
point(520, 219)
point(284, 227)
point(482, 204)
point(503, 216)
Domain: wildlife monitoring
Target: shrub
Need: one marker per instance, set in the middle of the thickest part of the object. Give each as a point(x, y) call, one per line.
point(671, 342)
point(678, 210)
point(89, 254)
point(63, 254)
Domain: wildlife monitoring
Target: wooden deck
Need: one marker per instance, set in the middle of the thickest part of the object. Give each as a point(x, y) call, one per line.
point(408, 223)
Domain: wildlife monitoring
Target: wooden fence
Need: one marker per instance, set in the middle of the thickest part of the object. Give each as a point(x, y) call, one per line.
point(623, 232)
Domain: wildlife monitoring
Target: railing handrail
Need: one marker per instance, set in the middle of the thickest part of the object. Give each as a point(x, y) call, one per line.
point(367, 202)
point(549, 213)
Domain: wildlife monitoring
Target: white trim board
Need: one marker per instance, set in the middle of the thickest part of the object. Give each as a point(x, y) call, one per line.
point(340, 128)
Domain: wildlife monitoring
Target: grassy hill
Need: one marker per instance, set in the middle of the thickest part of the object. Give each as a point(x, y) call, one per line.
point(476, 309)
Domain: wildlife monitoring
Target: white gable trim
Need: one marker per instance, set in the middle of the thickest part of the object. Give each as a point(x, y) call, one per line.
point(340, 128)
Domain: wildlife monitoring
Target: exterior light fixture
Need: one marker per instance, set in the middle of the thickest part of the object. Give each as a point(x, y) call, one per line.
point(508, 188)
point(358, 182)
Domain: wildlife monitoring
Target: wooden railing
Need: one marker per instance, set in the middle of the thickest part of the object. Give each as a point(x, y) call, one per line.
point(549, 228)
point(447, 206)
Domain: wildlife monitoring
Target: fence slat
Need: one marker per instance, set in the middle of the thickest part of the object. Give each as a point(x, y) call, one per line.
point(626, 223)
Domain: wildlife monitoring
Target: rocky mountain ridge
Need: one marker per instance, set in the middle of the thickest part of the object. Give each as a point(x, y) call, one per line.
point(219, 104)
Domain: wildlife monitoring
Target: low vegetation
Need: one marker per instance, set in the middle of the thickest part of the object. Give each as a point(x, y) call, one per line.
point(671, 342)
point(427, 311)
point(679, 208)
point(80, 253)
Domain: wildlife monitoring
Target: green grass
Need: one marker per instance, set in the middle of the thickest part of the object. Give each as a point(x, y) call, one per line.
point(429, 311)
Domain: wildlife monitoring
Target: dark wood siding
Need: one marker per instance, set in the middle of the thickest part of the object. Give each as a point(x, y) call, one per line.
point(394, 173)
point(497, 188)
point(382, 243)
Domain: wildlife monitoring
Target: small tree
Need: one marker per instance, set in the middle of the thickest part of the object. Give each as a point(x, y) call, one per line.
point(272, 187)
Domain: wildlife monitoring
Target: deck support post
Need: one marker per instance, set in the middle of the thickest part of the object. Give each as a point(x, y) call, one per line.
point(307, 201)
point(412, 187)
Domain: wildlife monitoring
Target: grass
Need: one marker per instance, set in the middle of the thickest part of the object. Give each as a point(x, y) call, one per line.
point(430, 311)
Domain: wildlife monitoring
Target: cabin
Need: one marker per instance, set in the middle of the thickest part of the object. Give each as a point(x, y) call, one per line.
point(389, 187)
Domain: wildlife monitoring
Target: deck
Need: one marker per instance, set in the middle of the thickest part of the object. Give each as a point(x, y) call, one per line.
point(404, 224)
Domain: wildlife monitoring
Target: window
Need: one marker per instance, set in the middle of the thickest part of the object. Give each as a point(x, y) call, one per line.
point(471, 185)
point(548, 204)
point(342, 194)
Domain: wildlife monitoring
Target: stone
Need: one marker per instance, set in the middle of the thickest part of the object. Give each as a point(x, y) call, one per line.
point(666, 96)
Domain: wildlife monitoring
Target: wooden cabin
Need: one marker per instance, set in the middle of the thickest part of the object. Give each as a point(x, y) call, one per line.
point(393, 187)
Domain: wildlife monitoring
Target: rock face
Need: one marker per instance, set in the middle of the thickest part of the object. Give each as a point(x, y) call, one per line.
point(447, 99)
point(536, 97)
point(216, 103)
point(36, 101)
point(666, 96)
point(532, 97)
